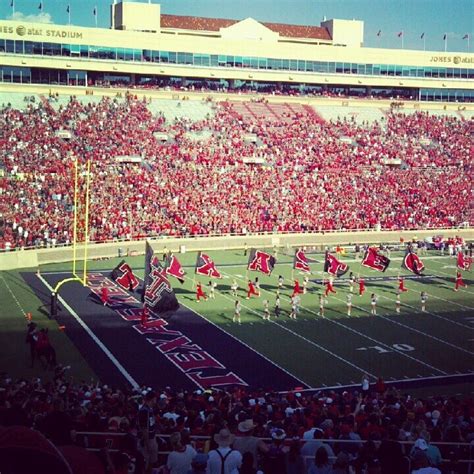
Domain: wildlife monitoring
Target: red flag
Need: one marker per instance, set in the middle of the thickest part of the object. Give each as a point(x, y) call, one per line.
point(205, 266)
point(333, 266)
point(300, 262)
point(174, 268)
point(464, 262)
point(412, 262)
point(375, 260)
point(124, 276)
point(158, 295)
point(261, 262)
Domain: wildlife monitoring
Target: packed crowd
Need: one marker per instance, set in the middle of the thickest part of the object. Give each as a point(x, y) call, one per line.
point(310, 179)
point(277, 433)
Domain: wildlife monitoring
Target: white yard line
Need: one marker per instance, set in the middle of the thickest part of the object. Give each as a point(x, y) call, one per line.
point(260, 315)
point(13, 295)
point(368, 337)
point(99, 343)
point(246, 345)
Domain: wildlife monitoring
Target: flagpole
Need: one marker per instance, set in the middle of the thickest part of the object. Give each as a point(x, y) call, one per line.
point(13, 12)
point(69, 14)
point(402, 38)
point(445, 43)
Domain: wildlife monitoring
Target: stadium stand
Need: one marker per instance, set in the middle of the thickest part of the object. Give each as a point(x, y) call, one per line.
point(347, 175)
point(352, 426)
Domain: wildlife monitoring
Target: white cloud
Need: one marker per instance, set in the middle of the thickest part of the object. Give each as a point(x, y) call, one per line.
point(37, 18)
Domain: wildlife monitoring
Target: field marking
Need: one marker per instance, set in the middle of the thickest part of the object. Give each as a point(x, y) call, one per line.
point(247, 346)
point(366, 336)
point(260, 315)
point(89, 331)
point(422, 332)
point(392, 381)
point(238, 340)
point(13, 295)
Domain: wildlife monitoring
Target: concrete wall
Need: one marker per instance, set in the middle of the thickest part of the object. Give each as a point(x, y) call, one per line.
point(33, 258)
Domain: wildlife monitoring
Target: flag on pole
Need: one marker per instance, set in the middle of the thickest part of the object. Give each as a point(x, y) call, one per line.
point(157, 295)
point(400, 34)
point(373, 259)
point(412, 262)
point(466, 36)
point(379, 33)
point(68, 9)
point(40, 6)
point(464, 262)
point(205, 266)
point(174, 268)
point(445, 37)
point(300, 262)
point(260, 261)
point(12, 3)
point(422, 36)
point(333, 266)
point(124, 276)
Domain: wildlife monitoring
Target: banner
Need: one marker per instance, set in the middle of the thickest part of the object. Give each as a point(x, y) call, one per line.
point(464, 262)
point(300, 262)
point(261, 262)
point(123, 275)
point(333, 266)
point(412, 262)
point(157, 294)
point(373, 259)
point(174, 268)
point(205, 266)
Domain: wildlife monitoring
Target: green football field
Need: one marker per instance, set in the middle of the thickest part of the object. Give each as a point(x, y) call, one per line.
point(431, 352)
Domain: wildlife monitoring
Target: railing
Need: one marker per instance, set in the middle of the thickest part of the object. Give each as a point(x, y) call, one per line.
point(110, 440)
point(238, 234)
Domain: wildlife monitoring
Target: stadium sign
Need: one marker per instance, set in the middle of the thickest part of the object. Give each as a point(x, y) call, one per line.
point(22, 30)
point(452, 59)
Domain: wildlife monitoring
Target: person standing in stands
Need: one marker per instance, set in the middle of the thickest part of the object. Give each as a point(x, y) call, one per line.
point(147, 435)
point(224, 459)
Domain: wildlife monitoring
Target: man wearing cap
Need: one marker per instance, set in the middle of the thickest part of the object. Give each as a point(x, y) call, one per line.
point(224, 459)
point(245, 442)
point(423, 444)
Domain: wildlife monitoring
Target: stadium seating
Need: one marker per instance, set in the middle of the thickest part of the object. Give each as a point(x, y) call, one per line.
point(302, 173)
point(99, 416)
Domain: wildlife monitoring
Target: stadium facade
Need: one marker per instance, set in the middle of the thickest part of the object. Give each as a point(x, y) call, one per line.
point(144, 47)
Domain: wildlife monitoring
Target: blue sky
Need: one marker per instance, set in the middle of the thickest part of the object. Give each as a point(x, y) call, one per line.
point(414, 17)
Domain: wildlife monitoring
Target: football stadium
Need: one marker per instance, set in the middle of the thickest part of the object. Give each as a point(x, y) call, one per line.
point(233, 246)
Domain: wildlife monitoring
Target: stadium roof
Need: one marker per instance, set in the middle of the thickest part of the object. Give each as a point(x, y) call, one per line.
point(214, 24)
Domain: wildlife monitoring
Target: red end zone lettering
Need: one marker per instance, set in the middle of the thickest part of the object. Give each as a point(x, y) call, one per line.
point(216, 380)
point(194, 360)
point(188, 357)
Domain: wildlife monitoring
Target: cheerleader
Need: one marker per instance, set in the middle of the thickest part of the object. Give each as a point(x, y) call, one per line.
point(373, 303)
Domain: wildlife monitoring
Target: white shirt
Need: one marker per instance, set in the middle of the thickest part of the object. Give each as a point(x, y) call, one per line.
point(180, 462)
point(231, 464)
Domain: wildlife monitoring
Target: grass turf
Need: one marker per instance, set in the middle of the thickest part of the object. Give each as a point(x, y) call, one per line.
point(330, 351)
